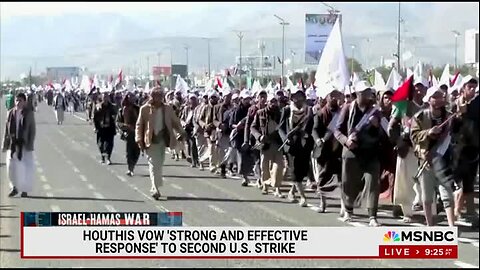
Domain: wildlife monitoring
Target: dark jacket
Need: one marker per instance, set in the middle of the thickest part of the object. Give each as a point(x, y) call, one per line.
point(239, 114)
point(28, 130)
point(331, 148)
point(104, 118)
point(368, 138)
point(260, 123)
point(296, 135)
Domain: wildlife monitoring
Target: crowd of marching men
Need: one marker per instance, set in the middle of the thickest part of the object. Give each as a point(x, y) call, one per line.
point(412, 146)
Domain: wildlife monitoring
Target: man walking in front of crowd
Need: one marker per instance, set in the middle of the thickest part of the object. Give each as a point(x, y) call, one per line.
point(430, 133)
point(188, 116)
point(60, 105)
point(358, 130)
point(327, 152)
point(104, 122)
point(154, 132)
point(126, 121)
point(466, 141)
point(18, 144)
point(265, 130)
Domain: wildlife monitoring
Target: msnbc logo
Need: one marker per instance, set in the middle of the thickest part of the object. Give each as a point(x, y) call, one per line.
point(391, 236)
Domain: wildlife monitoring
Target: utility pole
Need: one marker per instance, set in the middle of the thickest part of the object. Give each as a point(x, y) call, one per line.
point(261, 46)
point(353, 56)
point(159, 55)
point(283, 23)
point(208, 53)
point(398, 37)
point(457, 34)
point(186, 54)
point(240, 35)
point(148, 67)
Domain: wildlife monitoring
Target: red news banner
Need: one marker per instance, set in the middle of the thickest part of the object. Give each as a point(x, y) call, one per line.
point(105, 236)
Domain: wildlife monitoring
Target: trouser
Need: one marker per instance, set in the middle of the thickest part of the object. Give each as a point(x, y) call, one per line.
point(245, 162)
point(156, 157)
point(272, 166)
point(353, 170)
point(213, 154)
point(133, 151)
point(105, 141)
point(192, 149)
point(326, 170)
point(438, 174)
point(59, 114)
point(201, 142)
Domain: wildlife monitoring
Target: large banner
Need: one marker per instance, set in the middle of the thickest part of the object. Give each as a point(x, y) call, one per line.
point(317, 30)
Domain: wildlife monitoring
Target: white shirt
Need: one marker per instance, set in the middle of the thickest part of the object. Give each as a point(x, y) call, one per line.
point(159, 121)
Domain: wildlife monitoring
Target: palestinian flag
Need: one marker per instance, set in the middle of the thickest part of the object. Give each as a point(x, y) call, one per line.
point(401, 97)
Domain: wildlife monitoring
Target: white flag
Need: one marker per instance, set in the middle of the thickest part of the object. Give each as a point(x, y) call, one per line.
point(85, 84)
point(445, 78)
point(290, 86)
point(355, 78)
point(226, 87)
point(181, 86)
point(379, 82)
point(332, 71)
point(434, 80)
point(147, 88)
point(256, 87)
point(95, 81)
point(269, 89)
point(409, 72)
point(394, 80)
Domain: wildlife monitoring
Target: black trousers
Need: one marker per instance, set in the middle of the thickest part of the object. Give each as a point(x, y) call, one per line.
point(193, 149)
point(132, 150)
point(329, 168)
point(105, 141)
point(353, 170)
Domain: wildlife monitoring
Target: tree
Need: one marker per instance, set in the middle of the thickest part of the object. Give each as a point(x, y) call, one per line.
point(357, 67)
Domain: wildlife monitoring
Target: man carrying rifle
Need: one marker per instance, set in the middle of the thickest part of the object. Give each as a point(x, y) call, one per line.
point(358, 130)
point(430, 135)
point(265, 130)
point(327, 152)
point(295, 129)
point(237, 124)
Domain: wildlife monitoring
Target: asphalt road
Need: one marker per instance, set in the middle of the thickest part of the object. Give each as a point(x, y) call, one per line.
point(69, 177)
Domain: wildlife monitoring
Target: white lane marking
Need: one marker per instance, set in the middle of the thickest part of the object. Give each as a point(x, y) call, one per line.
point(78, 117)
point(98, 195)
point(465, 265)
point(91, 187)
point(47, 187)
point(110, 208)
point(241, 222)
point(61, 132)
point(43, 178)
point(55, 208)
point(176, 187)
point(216, 209)
point(121, 178)
point(161, 208)
point(83, 178)
point(76, 170)
point(49, 194)
point(192, 195)
point(39, 169)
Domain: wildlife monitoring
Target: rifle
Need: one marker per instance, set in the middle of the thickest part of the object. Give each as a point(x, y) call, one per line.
point(295, 129)
point(430, 153)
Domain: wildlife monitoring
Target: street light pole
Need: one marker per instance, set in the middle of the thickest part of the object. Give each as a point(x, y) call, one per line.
point(398, 38)
point(353, 56)
point(283, 23)
point(186, 51)
point(457, 34)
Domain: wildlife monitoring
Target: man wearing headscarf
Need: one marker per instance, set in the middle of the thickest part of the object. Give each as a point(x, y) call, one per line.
point(154, 132)
point(327, 154)
point(187, 119)
point(237, 124)
point(265, 128)
point(295, 130)
point(210, 121)
point(126, 121)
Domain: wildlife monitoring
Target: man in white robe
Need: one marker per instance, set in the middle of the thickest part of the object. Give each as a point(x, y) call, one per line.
point(18, 142)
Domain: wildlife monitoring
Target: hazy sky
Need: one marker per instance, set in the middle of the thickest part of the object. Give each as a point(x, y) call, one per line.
point(105, 36)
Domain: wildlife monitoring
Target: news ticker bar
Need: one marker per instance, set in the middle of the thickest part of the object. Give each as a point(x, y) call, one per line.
point(49, 219)
point(143, 242)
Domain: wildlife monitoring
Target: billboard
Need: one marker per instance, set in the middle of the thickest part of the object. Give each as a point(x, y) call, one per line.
point(317, 30)
point(161, 70)
point(471, 46)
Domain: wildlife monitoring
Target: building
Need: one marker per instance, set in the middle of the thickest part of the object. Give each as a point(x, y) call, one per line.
point(58, 74)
